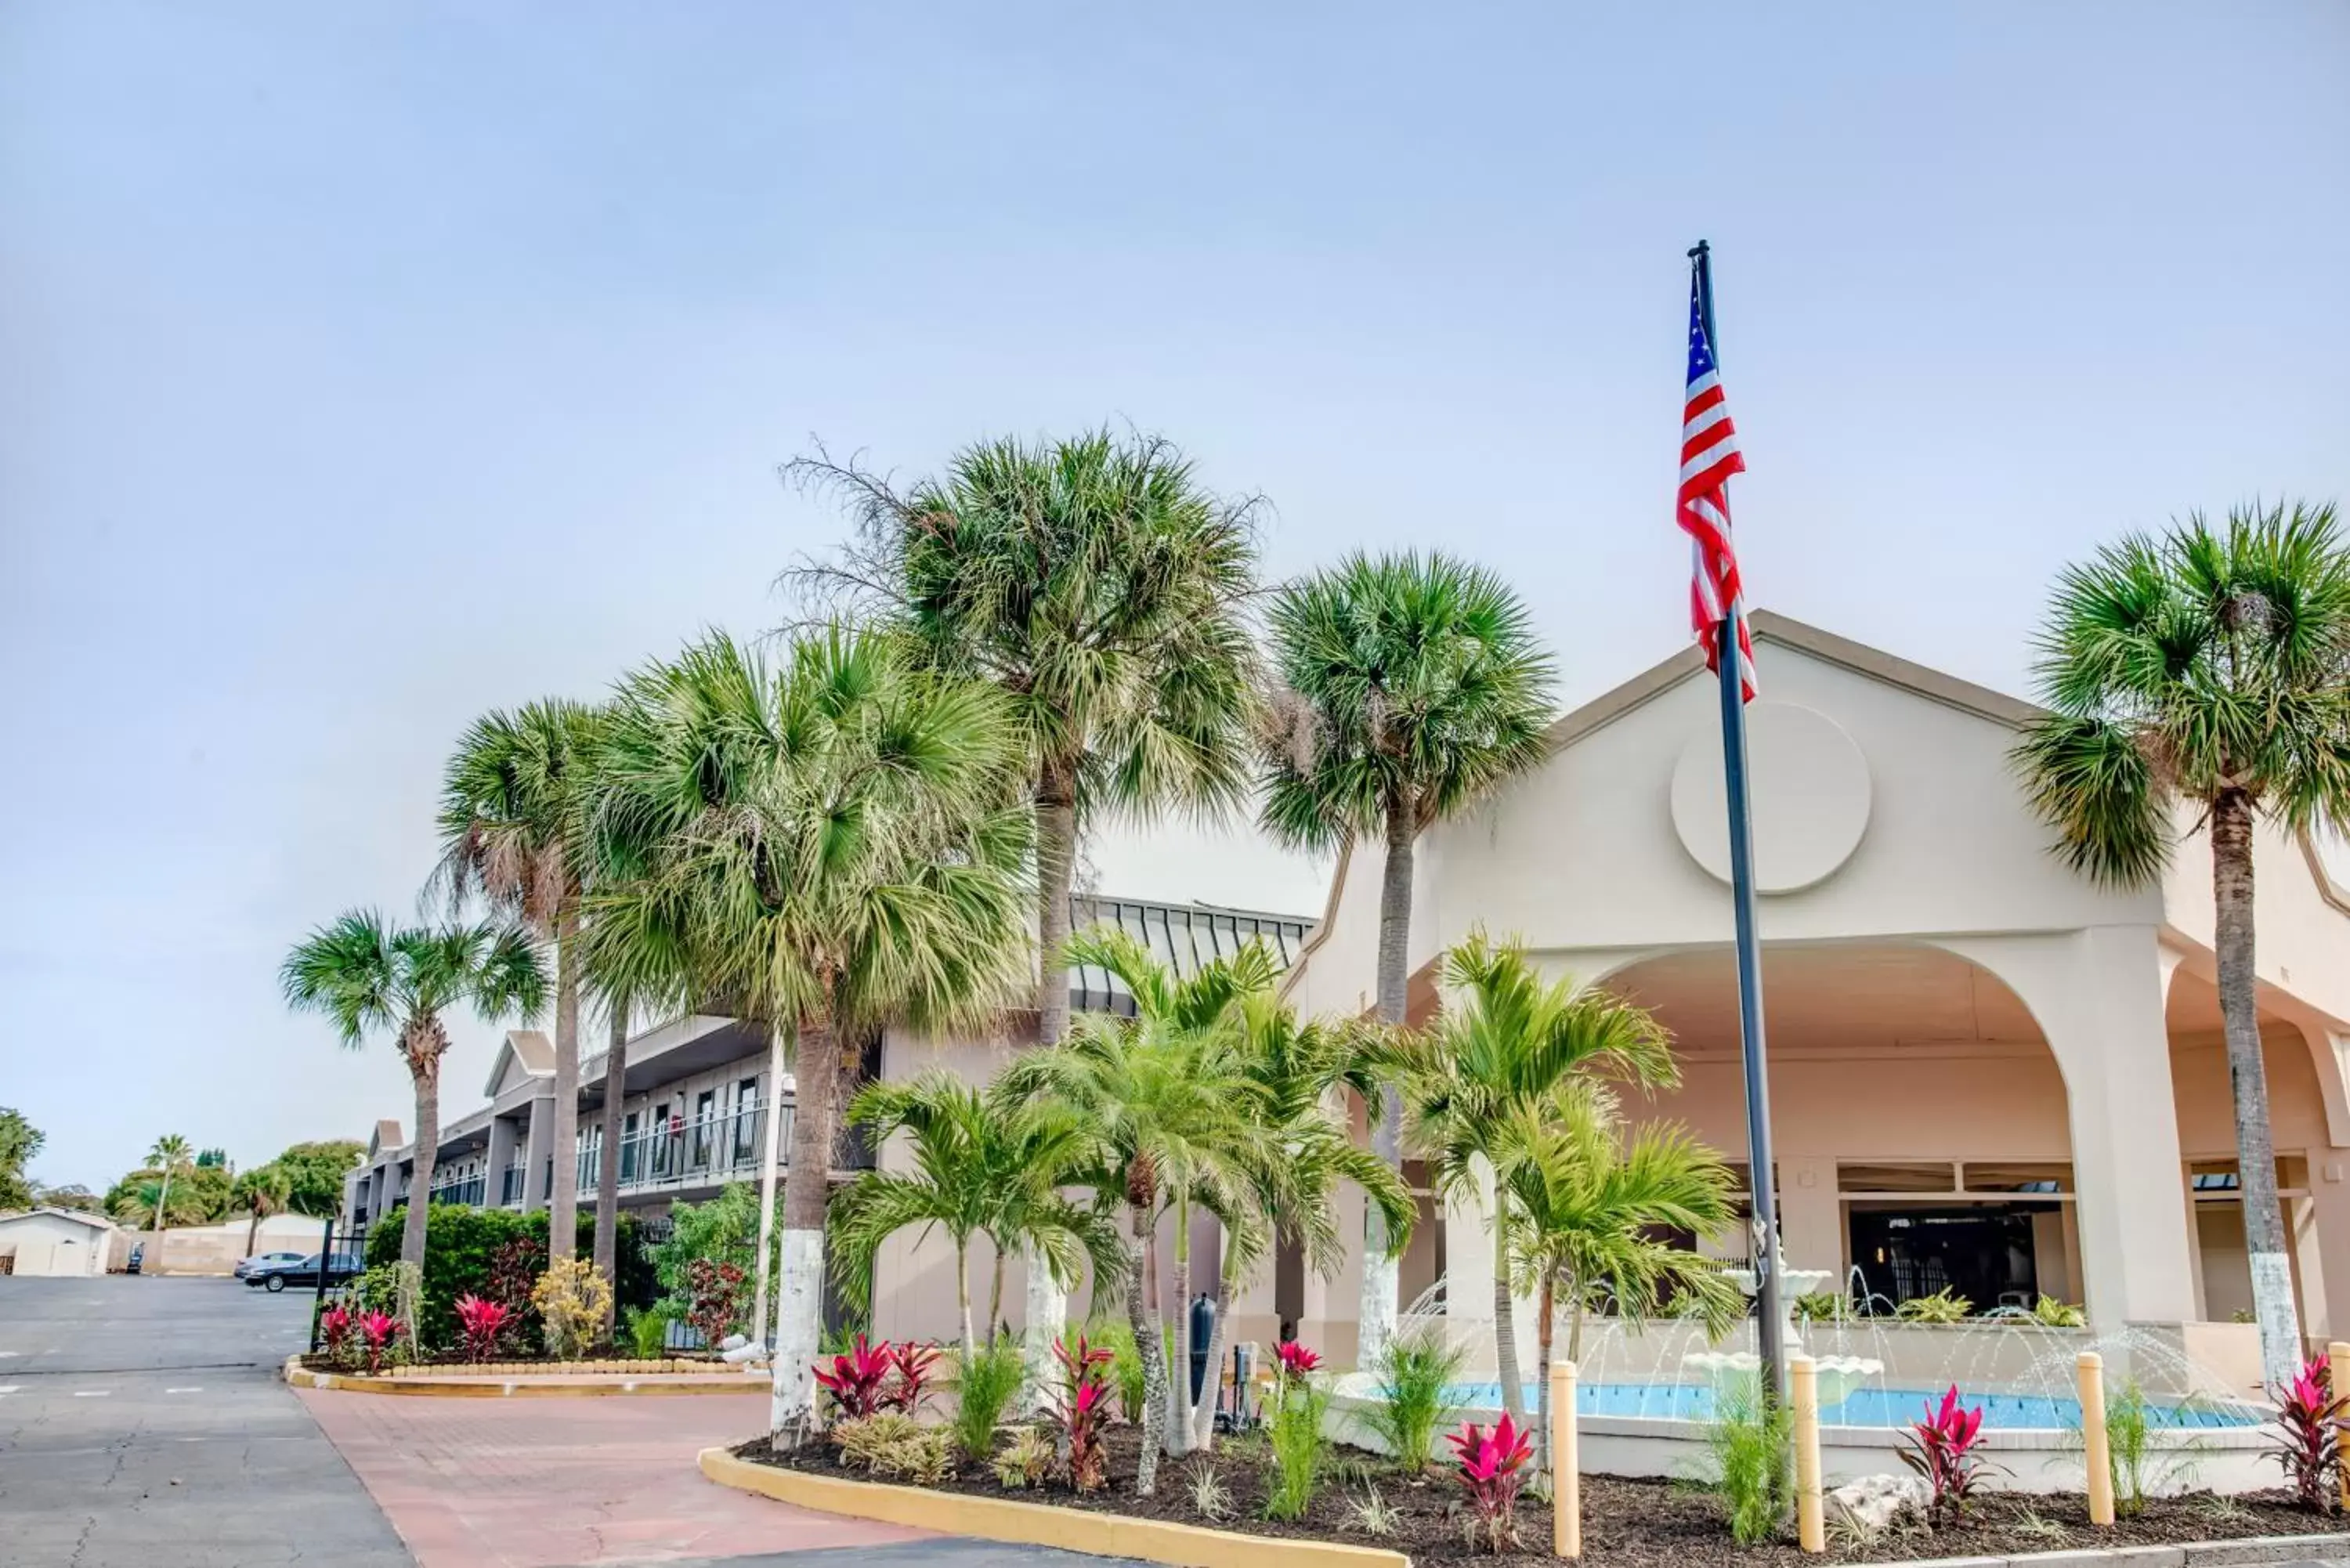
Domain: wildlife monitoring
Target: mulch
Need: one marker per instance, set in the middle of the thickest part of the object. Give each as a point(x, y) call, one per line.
point(1634, 1523)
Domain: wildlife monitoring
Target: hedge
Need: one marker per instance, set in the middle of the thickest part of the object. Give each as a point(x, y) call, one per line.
point(459, 1241)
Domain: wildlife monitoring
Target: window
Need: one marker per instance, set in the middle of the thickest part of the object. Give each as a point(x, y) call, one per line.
point(630, 1145)
point(664, 1138)
point(746, 1121)
point(705, 1110)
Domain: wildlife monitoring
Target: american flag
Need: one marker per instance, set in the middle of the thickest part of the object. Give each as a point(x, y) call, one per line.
point(1708, 457)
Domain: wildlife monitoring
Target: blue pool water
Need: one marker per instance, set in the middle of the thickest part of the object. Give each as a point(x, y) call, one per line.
point(1864, 1408)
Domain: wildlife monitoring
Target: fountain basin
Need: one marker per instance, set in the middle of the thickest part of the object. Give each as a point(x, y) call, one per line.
point(1838, 1377)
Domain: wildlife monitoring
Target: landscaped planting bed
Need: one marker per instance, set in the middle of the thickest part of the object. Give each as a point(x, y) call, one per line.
point(451, 1364)
point(1670, 1524)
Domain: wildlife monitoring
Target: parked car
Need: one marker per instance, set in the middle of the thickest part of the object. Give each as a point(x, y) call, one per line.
point(303, 1273)
point(264, 1259)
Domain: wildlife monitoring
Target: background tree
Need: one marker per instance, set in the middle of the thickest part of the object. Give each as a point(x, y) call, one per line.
point(1509, 1040)
point(837, 845)
point(1406, 688)
point(513, 816)
point(2209, 667)
point(170, 1156)
point(263, 1191)
point(365, 976)
point(314, 1172)
point(72, 1195)
point(20, 1140)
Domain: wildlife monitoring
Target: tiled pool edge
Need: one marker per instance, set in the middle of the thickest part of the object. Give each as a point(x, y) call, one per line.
point(2252, 1549)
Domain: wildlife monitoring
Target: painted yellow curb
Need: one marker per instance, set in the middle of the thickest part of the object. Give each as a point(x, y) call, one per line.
point(1038, 1524)
point(299, 1377)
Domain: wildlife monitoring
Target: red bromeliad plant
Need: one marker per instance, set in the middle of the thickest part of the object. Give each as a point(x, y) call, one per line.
point(910, 1365)
point(1941, 1448)
point(378, 1329)
point(482, 1322)
point(859, 1380)
point(1082, 1405)
point(1294, 1360)
point(2307, 1433)
point(1493, 1469)
point(334, 1326)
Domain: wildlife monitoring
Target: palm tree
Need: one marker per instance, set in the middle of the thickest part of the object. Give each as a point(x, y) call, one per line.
point(834, 844)
point(264, 1190)
point(1409, 687)
point(366, 976)
point(1583, 1208)
point(1513, 1042)
point(513, 810)
point(170, 1153)
point(982, 1166)
point(2209, 668)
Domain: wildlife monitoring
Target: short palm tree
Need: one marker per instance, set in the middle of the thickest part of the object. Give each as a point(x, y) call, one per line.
point(983, 1166)
point(1584, 1205)
point(264, 1190)
point(1166, 1109)
point(1510, 1039)
point(1408, 687)
point(514, 812)
point(833, 844)
point(366, 976)
point(170, 1155)
point(2208, 669)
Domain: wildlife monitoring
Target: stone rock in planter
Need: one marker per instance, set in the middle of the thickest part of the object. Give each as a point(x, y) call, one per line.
point(1871, 1501)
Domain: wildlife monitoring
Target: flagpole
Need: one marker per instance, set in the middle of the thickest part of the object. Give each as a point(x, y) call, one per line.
point(1764, 1249)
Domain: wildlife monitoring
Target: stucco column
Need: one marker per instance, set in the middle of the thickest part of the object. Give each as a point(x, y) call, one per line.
point(2329, 1200)
point(1811, 1218)
point(2097, 994)
point(500, 1155)
point(536, 1147)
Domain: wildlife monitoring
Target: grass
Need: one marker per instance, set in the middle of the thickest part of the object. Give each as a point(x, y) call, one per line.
point(1296, 1441)
point(986, 1381)
point(1412, 1404)
point(1749, 1441)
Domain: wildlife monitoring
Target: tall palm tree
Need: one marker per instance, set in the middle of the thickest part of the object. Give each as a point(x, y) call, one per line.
point(2209, 668)
point(835, 844)
point(1584, 1209)
point(1408, 687)
point(170, 1155)
point(1510, 1042)
point(983, 1166)
point(513, 810)
point(265, 1190)
point(368, 976)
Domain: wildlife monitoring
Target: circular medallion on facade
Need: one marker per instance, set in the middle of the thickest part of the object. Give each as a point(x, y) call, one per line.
point(1809, 787)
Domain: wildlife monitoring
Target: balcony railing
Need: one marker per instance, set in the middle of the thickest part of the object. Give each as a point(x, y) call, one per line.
point(510, 1185)
point(466, 1189)
point(690, 1152)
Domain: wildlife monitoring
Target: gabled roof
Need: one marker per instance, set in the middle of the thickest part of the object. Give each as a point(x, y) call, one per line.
point(525, 1048)
point(388, 1136)
point(95, 1221)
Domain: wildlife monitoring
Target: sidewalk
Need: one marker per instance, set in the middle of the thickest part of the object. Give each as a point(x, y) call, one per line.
point(538, 1483)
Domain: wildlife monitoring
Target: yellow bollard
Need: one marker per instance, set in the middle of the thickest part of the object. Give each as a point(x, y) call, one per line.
point(2337, 1361)
point(1565, 1471)
point(1803, 1388)
point(2096, 1455)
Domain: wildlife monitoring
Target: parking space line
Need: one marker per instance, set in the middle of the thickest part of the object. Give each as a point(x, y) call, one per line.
point(182, 1390)
point(92, 1393)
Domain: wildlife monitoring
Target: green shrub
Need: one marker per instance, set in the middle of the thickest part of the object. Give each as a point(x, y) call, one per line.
point(723, 1231)
point(2055, 1313)
point(1297, 1448)
point(1023, 1463)
point(1944, 1306)
point(1413, 1401)
point(986, 1382)
point(1821, 1306)
point(648, 1331)
point(461, 1242)
point(1750, 1441)
point(1117, 1336)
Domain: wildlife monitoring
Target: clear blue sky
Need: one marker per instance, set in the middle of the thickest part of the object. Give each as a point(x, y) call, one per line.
point(365, 365)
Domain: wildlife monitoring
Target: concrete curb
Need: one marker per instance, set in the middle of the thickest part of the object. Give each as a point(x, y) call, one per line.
point(2252, 1549)
point(1038, 1524)
point(574, 1387)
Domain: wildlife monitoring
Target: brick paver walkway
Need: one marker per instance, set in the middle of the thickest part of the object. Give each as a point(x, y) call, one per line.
point(534, 1483)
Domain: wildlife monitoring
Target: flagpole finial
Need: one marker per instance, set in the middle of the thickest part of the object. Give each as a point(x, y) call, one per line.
point(1699, 249)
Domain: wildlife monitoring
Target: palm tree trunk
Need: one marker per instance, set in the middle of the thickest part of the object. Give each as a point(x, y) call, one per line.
point(162, 1196)
point(1203, 1416)
point(799, 1292)
point(251, 1231)
point(761, 1292)
point(1056, 850)
point(2264, 1238)
point(1046, 1315)
point(608, 1169)
point(425, 1044)
point(1178, 1407)
point(1543, 1332)
point(963, 1295)
point(1505, 1341)
point(996, 1296)
point(563, 1196)
point(1382, 1275)
point(1142, 1316)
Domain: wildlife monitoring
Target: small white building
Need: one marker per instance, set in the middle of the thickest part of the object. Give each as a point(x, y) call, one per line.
point(55, 1243)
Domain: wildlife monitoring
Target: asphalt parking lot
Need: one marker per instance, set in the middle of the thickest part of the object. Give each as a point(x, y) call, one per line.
point(142, 1425)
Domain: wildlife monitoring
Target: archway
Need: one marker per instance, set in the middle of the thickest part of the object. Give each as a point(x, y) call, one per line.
point(1919, 1115)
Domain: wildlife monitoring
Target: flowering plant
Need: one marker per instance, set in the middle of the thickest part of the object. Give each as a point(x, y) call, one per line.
point(378, 1329)
point(482, 1321)
point(857, 1379)
point(910, 1365)
point(2308, 1432)
point(1296, 1360)
point(1941, 1448)
point(1493, 1469)
point(1081, 1407)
